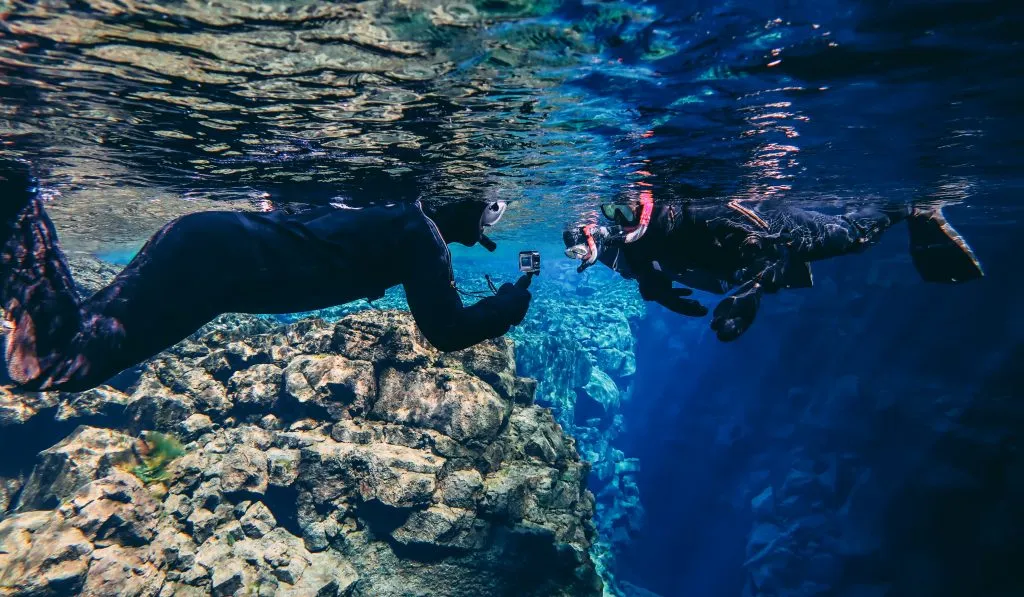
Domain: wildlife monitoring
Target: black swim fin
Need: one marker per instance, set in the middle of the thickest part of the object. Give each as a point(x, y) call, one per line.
point(939, 253)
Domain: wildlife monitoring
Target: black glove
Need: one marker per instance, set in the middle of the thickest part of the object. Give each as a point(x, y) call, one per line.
point(663, 293)
point(735, 314)
point(515, 299)
point(673, 301)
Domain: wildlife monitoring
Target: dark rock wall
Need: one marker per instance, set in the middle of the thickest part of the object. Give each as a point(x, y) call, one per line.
point(863, 438)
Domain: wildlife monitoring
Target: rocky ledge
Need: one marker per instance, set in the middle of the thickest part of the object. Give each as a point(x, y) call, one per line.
point(346, 458)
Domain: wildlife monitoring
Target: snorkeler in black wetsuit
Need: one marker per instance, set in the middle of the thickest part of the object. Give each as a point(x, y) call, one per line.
point(718, 248)
point(208, 263)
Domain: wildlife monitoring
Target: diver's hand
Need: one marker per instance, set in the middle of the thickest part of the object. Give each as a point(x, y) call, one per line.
point(672, 299)
point(515, 298)
point(524, 281)
point(735, 314)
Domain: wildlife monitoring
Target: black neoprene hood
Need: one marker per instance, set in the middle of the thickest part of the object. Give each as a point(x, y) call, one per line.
point(458, 222)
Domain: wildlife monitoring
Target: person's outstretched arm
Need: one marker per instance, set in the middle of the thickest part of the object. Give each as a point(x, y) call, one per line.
point(438, 309)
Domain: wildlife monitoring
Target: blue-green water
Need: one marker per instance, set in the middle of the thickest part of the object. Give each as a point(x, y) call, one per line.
point(863, 438)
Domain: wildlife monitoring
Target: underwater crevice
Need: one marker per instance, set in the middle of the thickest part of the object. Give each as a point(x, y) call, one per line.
point(42, 432)
point(283, 504)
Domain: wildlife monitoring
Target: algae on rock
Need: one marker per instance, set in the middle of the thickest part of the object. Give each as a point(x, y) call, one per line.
point(162, 448)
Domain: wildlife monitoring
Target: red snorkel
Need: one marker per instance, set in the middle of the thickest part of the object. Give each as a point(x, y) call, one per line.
point(585, 249)
point(588, 231)
point(646, 211)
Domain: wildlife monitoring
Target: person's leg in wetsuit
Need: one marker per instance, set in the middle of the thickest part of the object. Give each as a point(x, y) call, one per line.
point(193, 269)
point(167, 292)
point(797, 237)
point(780, 257)
point(813, 236)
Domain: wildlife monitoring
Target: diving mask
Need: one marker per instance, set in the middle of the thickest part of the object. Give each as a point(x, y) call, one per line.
point(493, 212)
point(622, 215)
point(627, 216)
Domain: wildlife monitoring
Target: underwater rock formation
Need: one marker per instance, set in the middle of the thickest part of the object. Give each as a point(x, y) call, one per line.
point(577, 342)
point(582, 354)
point(346, 458)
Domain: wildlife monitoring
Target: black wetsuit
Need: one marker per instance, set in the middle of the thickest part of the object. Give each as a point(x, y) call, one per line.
point(717, 248)
point(733, 244)
point(205, 264)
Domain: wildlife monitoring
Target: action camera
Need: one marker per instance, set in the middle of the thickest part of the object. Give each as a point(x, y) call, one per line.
point(529, 262)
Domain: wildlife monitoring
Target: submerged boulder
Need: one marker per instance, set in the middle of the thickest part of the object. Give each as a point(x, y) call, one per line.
point(86, 455)
point(97, 543)
point(346, 459)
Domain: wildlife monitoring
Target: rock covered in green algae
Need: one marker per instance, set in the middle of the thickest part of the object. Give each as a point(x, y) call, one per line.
point(331, 459)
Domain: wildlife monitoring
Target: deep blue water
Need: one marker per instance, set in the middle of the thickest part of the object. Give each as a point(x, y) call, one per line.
point(889, 411)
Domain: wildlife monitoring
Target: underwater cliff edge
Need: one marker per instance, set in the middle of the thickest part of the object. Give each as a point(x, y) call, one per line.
point(319, 458)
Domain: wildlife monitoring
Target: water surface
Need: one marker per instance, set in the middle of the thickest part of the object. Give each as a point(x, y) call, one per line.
point(136, 111)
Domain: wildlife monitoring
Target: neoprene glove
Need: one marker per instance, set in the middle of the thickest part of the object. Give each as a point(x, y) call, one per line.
point(515, 299)
point(672, 299)
point(736, 313)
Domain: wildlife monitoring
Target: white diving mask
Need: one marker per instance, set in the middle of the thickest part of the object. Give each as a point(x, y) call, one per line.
point(493, 212)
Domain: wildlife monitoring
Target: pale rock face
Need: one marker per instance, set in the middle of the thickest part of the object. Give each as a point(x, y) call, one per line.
point(258, 521)
point(322, 459)
point(87, 454)
point(283, 466)
point(114, 509)
point(154, 406)
point(195, 426)
point(97, 402)
point(244, 469)
point(206, 393)
point(9, 489)
point(16, 409)
point(446, 400)
point(441, 526)
point(258, 387)
point(97, 543)
point(388, 337)
point(395, 476)
point(40, 555)
point(461, 489)
point(493, 362)
point(332, 383)
point(116, 570)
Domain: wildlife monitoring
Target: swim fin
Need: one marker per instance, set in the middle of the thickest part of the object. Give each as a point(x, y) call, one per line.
point(939, 253)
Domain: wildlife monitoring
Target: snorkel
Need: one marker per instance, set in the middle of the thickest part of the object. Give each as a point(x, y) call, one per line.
point(582, 245)
point(646, 209)
point(625, 216)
